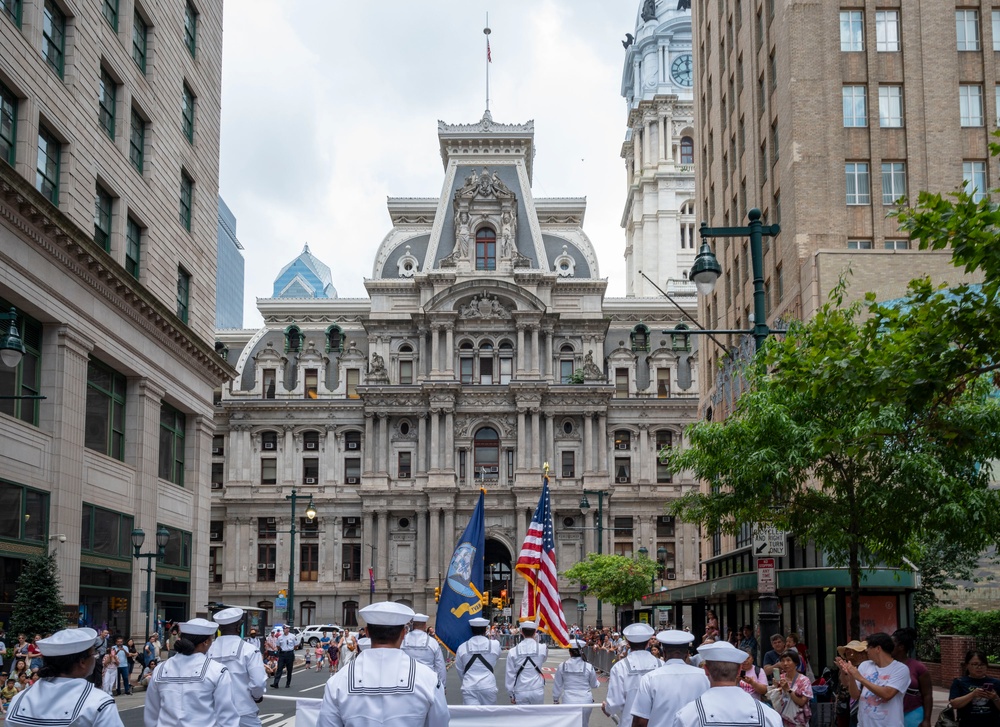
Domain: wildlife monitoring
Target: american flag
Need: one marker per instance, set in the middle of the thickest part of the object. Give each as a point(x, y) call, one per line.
point(537, 565)
point(489, 56)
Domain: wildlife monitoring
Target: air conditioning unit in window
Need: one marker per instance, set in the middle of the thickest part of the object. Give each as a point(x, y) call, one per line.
point(353, 445)
point(310, 480)
point(351, 521)
point(216, 485)
point(269, 445)
point(621, 445)
point(216, 451)
point(270, 521)
point(347, 566)
point(623, 479)
point(312, 445)
point(494, 470)
point(404, 476)
point(671, 576)
point(270, 566)
point(352, 480)
point(216, 536)
point(262, 566)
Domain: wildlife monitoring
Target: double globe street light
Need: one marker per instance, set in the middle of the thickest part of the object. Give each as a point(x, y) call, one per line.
point(138, 538)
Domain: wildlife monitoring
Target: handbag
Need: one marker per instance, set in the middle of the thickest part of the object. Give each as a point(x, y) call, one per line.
point(948, 717)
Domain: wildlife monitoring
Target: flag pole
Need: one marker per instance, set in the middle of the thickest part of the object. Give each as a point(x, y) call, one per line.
point(486, 32)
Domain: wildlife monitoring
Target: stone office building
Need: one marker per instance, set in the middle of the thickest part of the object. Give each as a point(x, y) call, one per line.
point(485, 348)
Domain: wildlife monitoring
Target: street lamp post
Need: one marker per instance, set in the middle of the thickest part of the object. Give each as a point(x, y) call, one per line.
point(585, 508)
point(705, 271)
point(310, 514)
point(138, 538)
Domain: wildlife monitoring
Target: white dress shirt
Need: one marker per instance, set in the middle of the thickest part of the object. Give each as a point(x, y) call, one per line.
point(524, 665)
point(383, 686)
point(725, 707)
point(425, 649)
point(246, 669)
point(287, 642)
point(190, 691)
point(61, 702)
point(469, 663)
point(623, 684)
point(665, 690)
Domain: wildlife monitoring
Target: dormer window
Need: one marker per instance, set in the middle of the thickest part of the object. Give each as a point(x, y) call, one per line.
point(680, 340)
point(486, 249)
point(640, 338)
point(687, 150)
point(334, 339)
point(293, 339)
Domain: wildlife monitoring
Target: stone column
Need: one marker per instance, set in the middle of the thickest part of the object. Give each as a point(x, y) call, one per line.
point(520, 528)
point(421, 546)
point(520, 349)
point(550, 442)
point(421, 367)
point(435, 438)
point(449, 531)
point(328, 454)
point(668, 135)
point(588, 441)
point(536, 438)
point(636, 80)
point(435, 545)
point(449, 350)
point(535, 357)
point(382, 569)
point(334, 527)
point(661, 132)
point(422, 444)
point(449, 439)
point(640, 465)
point(369, 443)
point(288, 458)
point(602, 451)
point(520, 438)
point(548, 353)
point(367, 540)
point(382, 434)
point(637, 148)
point(435, 351)
point(647, 142)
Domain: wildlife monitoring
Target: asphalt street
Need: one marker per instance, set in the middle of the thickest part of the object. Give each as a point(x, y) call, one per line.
point(309, 684)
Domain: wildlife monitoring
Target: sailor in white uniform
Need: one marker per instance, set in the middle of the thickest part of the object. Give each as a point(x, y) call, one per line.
point(524, 668)
point(64, 696)
point(245, 665)
point(575, 680)
point(623, 682)
point(424, 648)
point(382, 685)
point(725, 703)
point(668, 688)
point(189, 689)
point(475, 661)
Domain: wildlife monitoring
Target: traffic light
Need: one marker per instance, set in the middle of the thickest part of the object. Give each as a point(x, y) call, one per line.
point(503, 598)
point(484, 599)
point(437, 594)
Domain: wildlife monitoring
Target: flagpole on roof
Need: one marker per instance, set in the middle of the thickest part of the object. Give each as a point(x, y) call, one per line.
point(489, 59)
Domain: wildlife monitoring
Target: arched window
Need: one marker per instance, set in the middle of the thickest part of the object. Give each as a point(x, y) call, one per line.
point(486, 454)
point(566, 363)
point(293, 339)
point(680, 341)
point(350, 615)
point(466, 360)
point(486, 249)
point(406, 364)
point(687, 150)
point(506, 362)
point(486, 363)
point(334, 339)
point(640, 338)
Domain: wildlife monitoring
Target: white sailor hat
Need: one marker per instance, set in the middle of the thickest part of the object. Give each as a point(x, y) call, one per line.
point(421, 618)
point(577, 644)
point(387, 613)
point(480, 621)
point(638, 632)
point(68, 641)
point(673, 637)
point(199, 627)
point(229, 615)
point(722, 651)
point(365, 644)
point(529, 625)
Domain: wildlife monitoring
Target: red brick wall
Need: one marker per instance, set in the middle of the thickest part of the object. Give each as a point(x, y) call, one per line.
point(953, 650)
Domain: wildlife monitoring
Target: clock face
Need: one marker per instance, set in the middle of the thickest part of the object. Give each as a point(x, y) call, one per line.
point(682, 71)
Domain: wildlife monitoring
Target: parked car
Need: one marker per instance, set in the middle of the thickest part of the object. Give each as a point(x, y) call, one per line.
point(313, 634)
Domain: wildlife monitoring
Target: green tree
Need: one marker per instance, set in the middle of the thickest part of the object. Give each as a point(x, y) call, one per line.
point(38, 607)
point(614, 578)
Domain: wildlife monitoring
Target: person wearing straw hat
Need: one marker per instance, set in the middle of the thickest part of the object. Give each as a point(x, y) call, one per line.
point(383, 685)
point(665, 690)
point(475, 660)
point(575, 679)
point(623, 681)
point(725, 703)
point(189, 689)
point(63, 695)
point(244, 662)
point(424, 648)
point(524, 668)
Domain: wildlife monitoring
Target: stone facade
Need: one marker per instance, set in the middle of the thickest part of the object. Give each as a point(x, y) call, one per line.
point(484, 349)
point(124, 361)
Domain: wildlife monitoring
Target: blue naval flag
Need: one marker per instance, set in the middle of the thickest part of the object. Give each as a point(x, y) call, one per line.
point(461, 591)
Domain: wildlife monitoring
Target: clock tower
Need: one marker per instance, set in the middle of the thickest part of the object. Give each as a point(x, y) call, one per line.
point(659, 215)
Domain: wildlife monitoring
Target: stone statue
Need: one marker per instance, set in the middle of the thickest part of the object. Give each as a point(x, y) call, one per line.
point(377, 365)
point(648, 11)
point(507, 233)
point(591, 371)
point(683, 4)
point(463, 234)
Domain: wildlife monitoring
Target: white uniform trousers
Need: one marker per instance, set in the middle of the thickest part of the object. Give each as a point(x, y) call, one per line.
point(533, 697)
point(486, 697)
point(250, 720)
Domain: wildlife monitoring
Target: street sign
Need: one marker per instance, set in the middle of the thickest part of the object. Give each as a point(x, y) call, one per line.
point(581, 607)
point(664, 617)
point(766, 582)
point(280, 603)
point(768, 540)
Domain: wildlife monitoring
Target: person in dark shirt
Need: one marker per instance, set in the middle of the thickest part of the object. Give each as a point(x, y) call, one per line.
point(975, 695)
point(748, 641)
point(772, 657)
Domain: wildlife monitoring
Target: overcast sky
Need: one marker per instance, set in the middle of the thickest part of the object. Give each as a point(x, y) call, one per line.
point(330, 106)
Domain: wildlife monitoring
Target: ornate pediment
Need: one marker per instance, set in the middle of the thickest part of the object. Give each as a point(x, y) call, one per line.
point(485, 307)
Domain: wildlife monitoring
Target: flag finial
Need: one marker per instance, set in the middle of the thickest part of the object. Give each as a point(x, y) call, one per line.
point(545, 468)
point(489, 60)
